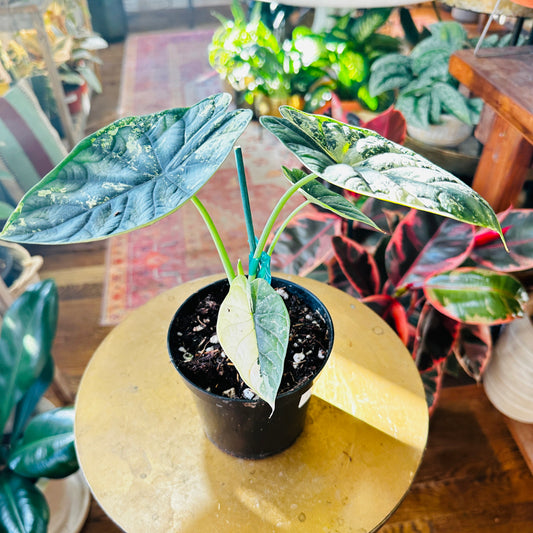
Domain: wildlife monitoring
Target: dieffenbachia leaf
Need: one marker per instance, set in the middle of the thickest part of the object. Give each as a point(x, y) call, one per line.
point(128, 174)
point(476, 296)
point(253, 330)
point(363, 162)
point(328, 199)
point(23, 506)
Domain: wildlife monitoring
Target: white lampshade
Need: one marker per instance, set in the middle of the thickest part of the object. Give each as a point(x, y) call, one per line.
point(506, 7)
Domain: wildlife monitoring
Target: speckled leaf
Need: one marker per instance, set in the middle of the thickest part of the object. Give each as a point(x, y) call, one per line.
point(476, 296)
point(23, 507)
point(328, 199)
point(47, 447)
point(363, 162)
point(253, 330)
point(128, 174)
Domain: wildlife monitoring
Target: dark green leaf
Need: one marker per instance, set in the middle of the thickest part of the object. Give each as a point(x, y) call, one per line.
point(476, 296)
point(27, 334)
point(47, 447)
point(129, 174)
point(363, 162)
point(23, 508)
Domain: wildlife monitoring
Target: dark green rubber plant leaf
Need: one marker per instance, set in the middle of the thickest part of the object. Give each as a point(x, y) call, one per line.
point(28, 330)
point(253, 329)
point(363, 162)
point(328, 199)
point(476, 296)
point(128, 174)
point(23, 507)
point(47, 447)
point(26, 406)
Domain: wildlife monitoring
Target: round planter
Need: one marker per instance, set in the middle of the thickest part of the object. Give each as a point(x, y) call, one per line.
point(247, 428)
point(450, 133)
point(508, 379)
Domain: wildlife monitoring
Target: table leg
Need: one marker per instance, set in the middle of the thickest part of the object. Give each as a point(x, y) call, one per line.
point(502, 168)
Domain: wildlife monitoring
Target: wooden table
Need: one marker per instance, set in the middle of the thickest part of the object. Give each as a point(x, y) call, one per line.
point(503, 78)
point(150, 467)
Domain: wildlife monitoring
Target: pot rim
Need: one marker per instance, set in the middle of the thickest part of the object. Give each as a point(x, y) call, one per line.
point(308, 383)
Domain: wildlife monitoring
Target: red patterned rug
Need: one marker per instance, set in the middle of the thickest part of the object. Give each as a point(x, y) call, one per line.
point(165, 70)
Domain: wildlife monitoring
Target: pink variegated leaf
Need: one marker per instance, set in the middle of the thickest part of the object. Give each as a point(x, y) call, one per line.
point(358, 265)
point(306, 242)
point(473, 348)
point(336, 278)
point(425, 244)
point(390, 124)
point(392, 311)
point(490, 253)
point(435, 337)
point(432, 380)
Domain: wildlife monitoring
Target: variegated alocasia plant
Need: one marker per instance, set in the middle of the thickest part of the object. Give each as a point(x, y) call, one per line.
point(139, 169)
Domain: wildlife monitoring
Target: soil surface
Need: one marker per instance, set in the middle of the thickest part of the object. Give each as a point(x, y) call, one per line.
point(201, 358)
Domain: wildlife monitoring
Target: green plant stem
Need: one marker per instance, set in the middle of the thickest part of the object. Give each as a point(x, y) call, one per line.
point(281, 229)
point(272, 219)
point(226, 263)
point(245, 199)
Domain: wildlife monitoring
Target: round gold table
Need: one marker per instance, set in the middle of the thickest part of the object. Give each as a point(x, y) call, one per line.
point(151, 468)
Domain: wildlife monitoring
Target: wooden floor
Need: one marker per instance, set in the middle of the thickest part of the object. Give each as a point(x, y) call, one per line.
point(473, 478)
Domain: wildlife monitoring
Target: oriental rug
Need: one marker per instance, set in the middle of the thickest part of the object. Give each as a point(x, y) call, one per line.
point(164, 70)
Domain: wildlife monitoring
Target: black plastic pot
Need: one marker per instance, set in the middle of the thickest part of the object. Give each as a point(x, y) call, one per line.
point(245, 428)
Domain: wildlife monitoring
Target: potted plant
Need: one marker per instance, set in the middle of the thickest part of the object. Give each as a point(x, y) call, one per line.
point(139, 169)
point(436, 111)
point(33, 446)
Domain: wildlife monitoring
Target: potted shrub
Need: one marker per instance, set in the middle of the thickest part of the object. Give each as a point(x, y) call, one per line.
point(437, 113)
point(32, 446)
point(139, 169)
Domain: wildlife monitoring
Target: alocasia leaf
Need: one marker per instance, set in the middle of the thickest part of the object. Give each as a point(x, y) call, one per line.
point(476, 296)
point(47, 447)
point(128, 174)
point(366, 163)
point(253, 329)
point(423, 245)
point(23, 507)
point(328, 199)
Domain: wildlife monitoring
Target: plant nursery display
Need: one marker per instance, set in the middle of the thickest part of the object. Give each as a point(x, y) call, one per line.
point(33, 446)
point(139, 169)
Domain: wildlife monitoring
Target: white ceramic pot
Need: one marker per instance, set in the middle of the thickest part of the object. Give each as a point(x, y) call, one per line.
point(508, 379)
point(448, 134)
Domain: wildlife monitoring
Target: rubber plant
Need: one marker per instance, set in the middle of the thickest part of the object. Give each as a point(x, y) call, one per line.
point(34, 446)
point(139, 169)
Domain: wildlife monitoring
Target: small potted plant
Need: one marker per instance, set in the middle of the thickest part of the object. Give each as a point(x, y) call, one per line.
point(437, 113)
point(33, 446)
point(139, 169)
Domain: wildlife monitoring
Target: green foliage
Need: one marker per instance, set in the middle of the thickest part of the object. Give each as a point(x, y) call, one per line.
point(424, 88)
point(253, 60)
point(139, 169)
point(44, 446)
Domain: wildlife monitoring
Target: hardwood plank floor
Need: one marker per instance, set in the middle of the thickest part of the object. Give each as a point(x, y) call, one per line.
point(473, 478)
